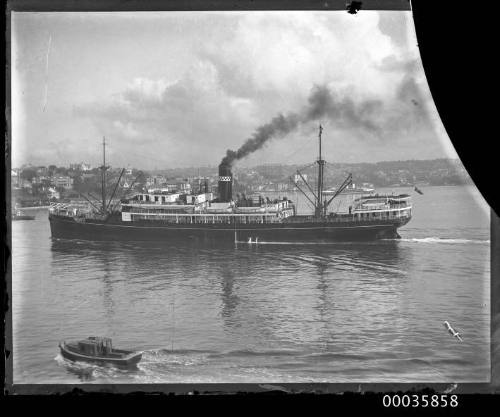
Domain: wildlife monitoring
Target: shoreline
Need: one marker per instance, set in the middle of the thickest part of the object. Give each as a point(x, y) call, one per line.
point(32, 208)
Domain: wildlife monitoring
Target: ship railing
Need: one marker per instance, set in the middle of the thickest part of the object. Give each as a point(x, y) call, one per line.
point(349, 218)
point(159, 203)
point(72, 210)
point(58, 205)
point(60, 209)
point(384, 207)
point(207, 219)
point(158, 212)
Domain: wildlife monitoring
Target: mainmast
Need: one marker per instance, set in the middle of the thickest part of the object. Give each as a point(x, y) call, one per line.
point(320, 204)
point(103, 176)
point(321, 164)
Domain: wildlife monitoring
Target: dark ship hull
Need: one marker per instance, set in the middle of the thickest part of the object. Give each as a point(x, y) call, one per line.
point(288, 231)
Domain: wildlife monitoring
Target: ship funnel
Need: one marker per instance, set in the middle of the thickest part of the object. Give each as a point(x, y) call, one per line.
point(225, 183)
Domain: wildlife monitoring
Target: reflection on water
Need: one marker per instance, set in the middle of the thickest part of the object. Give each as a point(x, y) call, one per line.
point(229, 299)
point(108, 291)
point(328, 312)
point(283, 269)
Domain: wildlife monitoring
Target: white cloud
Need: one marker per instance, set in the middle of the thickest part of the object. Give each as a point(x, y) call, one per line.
point(288, 52)
point(231, 72)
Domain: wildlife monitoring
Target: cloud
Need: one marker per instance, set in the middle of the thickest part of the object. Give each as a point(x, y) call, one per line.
point(407, 64)
point(264, 75)
point(172, 115)
point(397, 26)
point(287, 52)
point(374, 119)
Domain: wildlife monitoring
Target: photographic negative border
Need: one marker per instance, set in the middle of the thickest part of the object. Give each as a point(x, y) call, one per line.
point(291, 388)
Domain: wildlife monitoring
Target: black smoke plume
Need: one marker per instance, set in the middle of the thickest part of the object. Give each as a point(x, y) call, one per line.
point(322, 104)
point(279, 126)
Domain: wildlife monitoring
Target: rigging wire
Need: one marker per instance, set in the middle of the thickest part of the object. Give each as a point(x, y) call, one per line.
point(287, 177)
point(332, 172)
point(306, 144)
point(110, 181)
point(301, 148)
point(116, 152)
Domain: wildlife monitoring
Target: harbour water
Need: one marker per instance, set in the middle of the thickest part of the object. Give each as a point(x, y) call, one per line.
point(329, 312)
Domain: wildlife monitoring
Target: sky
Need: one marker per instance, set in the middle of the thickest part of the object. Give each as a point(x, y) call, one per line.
point(178, 89)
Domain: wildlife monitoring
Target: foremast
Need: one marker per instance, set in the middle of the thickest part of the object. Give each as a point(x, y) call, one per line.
point(102, 207)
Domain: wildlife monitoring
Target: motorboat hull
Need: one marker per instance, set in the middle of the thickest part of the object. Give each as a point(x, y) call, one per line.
point(129, 358)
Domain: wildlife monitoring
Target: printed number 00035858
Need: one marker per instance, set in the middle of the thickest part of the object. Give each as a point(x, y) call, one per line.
point(422, 400)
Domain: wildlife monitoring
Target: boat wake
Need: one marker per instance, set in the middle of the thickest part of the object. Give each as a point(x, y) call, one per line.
point(86, 371)
point(247, 353)
point(185, 357)
point(435, 239)
point(93, 372)
point(303, 243)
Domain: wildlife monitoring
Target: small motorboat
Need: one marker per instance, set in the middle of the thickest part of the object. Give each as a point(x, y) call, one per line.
point(20, 216)
point(98, 350)
point(418, 190)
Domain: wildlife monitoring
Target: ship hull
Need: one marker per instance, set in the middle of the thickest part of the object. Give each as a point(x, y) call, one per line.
point(68, 228)
point(127, 361)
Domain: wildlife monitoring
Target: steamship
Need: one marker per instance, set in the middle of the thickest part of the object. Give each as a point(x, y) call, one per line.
point(204, 216)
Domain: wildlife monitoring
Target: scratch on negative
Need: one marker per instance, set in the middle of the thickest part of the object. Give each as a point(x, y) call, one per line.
point(47, 73)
